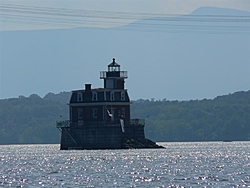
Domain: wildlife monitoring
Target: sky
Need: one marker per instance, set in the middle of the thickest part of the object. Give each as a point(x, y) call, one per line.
point(54, 14)
point(12, 20)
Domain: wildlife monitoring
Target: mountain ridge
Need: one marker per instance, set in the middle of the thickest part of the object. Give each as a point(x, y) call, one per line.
point(182, 66)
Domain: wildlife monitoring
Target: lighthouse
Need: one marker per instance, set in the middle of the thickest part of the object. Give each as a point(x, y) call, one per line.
point(100, 117)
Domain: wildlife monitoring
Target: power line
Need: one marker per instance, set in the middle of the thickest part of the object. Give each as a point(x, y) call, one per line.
point(61, 17)
point(46, 11)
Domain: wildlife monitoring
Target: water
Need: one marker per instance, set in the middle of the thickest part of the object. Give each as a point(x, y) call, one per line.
point(200, 164)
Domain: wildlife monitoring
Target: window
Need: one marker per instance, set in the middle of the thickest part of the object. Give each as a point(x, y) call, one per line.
point(110, 84)
point(94, 96)
point(112, 96)
point(79, 112)
point(123, 96)
point(123, 112)
point(79, 96)
point(95, 112)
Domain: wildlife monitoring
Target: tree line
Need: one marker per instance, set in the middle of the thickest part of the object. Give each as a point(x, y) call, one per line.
point(224, 118)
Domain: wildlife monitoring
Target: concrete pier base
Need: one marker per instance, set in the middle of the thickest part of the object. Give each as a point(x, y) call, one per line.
point(97, 136)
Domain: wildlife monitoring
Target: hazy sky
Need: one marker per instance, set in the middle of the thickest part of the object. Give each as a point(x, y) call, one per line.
point(31, 56)
point(11, 20)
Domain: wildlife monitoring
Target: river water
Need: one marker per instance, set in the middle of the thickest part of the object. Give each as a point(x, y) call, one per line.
point(182, 164)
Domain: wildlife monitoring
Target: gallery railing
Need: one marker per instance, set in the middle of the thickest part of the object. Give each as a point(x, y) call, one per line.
point(121, 74)
point(64, 123)
point(67, 123)
point(137, 121)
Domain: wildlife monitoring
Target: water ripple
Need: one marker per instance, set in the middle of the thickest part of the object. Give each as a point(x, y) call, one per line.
point(211, 164)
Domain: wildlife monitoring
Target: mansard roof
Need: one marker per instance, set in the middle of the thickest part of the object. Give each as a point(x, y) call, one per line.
point(99, 89)
point(103, 95)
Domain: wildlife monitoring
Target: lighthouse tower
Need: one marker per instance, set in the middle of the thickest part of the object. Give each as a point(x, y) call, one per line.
point(114, 78)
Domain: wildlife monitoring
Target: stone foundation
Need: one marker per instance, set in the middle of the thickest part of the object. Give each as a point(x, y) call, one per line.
point(105, 137)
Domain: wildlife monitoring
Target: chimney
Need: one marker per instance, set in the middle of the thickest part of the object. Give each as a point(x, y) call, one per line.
point(87, 88)
point(87, 92)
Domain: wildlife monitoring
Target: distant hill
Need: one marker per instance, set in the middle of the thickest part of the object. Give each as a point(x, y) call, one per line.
point(226, 117)
point(178, 58)
point(62, 98)
point(26, 120)
point(215, 11)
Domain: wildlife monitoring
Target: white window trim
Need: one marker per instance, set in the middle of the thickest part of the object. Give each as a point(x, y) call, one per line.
point(123, 96)
point(79, 97)
point(79, 113)
point(112, 95)
point(123, 111)
point(95, 113)
point(94, 96)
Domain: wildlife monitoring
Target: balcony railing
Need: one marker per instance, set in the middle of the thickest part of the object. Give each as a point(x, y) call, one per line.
point(113, 74)
point(137, 121)
point(66, 123)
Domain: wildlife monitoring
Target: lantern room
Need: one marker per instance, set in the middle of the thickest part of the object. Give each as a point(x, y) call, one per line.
point(114, 78)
